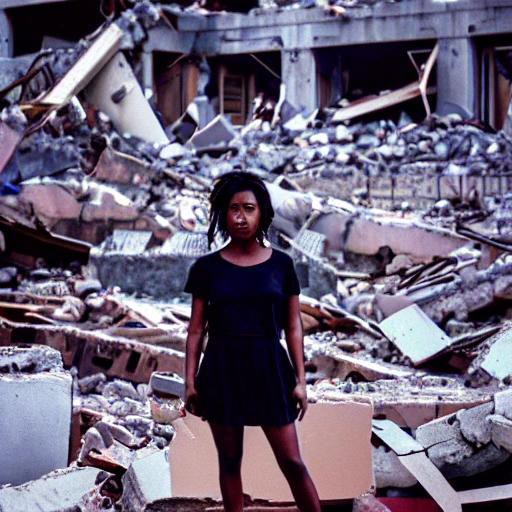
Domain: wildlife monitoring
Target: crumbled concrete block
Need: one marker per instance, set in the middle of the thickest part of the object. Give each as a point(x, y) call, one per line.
point(503, 403)
point(107, 204)
point(39, 406)
point(116, 167)
point(367, 236)
point(129, 242)
point(51, 203)
point(503, 288)
point(443, 440)
point(399, 262)
point(369, 503)
point(389, 471)
point(136, 274)
point(449, 451)
point(216, 132)
point(498, 361)
point(473, 424)
point(59, 491)
point(173, 151)
point(501, 431)
point(147, 480)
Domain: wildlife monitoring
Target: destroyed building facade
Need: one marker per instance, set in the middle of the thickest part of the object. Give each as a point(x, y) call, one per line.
point(321, 53)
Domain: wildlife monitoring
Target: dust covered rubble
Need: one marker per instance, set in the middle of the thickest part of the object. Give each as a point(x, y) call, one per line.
point(112, 426)
point(348, 355)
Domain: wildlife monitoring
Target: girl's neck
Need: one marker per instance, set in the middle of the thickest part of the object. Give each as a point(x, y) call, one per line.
point(244, 246)
point(245, 253)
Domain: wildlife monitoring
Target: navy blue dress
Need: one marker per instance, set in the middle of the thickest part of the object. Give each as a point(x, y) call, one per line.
point(245, 377)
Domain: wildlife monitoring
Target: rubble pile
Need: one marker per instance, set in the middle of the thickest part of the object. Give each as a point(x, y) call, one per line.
point(399, 236)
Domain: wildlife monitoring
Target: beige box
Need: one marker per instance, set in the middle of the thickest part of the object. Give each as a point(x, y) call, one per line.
point(334, 441)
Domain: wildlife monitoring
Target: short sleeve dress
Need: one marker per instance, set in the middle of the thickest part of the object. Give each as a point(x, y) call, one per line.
point(245, 376)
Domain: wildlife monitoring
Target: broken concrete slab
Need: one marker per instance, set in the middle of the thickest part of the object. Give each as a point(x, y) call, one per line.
point(168, 384)
point(417, 337)
point(34, 160)
point(409, 402)
point(50, 203)
point(486, 494)
point(129, 242)
point(138, 273)
point(38, 404)
point(218, 132)
point(116, 92)
point(452, 454)
point(391, 304)
point(147, 481)
point(498, 361)
point(503, 403)
point(94, 352)
point(345, 436)
point(500, 431)
point(420, 242)
point(107, 204)
point(335, 364)
point(117, 167)
point(57, 491)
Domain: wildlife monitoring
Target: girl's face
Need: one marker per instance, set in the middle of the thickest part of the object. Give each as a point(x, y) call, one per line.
point(243, 216)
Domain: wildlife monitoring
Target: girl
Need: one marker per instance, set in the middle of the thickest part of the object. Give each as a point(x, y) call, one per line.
point(247, 294)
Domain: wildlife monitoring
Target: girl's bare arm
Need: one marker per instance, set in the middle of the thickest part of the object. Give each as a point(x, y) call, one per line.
point(195, 338)
point(294, 336)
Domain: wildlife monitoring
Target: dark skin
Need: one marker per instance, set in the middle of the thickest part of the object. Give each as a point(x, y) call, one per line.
point(242, 222)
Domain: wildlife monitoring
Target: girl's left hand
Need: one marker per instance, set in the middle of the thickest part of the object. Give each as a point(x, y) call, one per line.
point(301, 396)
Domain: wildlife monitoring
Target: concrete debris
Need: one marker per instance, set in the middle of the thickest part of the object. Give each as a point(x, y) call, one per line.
point(36, 400)
point(412, 331)
point(400, 233)
point(148, 480)
point(63, 489)
point(116, 92)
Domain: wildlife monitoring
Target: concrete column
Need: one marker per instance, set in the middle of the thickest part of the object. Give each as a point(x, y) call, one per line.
point(456, 77)
point(298, 73)
point(5, 35)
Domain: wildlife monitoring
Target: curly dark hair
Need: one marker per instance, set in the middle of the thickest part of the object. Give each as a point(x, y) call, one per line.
point(224, 189)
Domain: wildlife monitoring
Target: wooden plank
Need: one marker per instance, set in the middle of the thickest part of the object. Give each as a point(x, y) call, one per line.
point(432, 481)
point(398, 440)
point(499, 492)
point(86, 67)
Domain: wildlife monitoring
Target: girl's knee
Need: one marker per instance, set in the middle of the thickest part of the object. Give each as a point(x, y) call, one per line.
point(293, 469)
point(230, 465)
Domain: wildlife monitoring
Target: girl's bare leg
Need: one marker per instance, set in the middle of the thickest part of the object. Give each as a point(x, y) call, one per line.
point(229, 443)
point(285, 444)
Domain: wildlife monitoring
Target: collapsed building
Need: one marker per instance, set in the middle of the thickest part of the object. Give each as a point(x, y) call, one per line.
point(389, 174)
